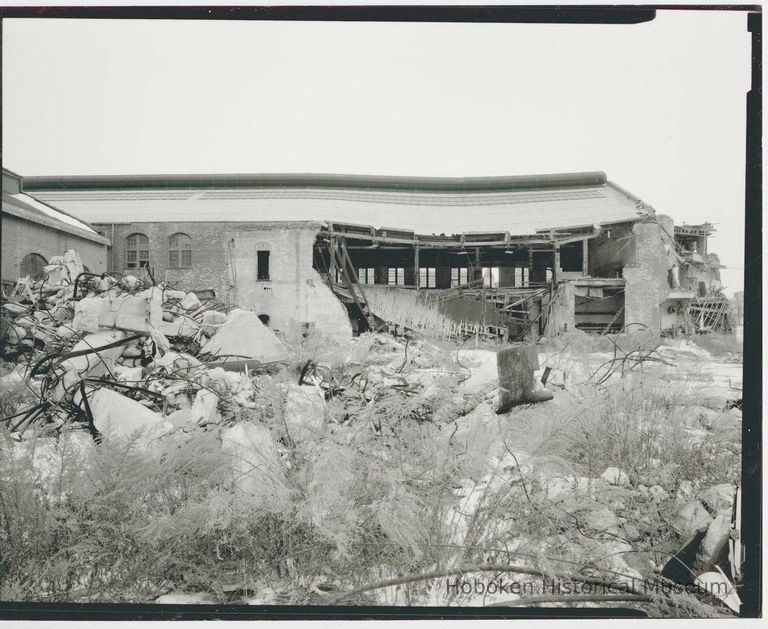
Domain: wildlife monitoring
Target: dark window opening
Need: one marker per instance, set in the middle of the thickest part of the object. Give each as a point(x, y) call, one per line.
point(136, 251)
point(571, 257)
point(262, 265)
point(179, 251)
point(32, 265)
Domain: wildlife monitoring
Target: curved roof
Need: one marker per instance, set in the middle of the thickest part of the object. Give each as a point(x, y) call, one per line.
point(518, 205)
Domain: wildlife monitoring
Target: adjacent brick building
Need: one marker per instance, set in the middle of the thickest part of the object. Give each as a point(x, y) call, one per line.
point(34, 232)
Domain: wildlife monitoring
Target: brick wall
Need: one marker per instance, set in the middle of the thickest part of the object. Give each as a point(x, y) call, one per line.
point(224, 259)
point(20, 237)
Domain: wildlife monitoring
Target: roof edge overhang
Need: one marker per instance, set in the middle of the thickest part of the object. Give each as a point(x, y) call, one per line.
point(317, 180)
point(46, 221)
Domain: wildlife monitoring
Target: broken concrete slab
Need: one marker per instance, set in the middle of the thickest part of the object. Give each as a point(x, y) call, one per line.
point(118, 416)
point(179, 327)
point(141, 312)
point(718, 498)
point(690, 517)
point(516, 366)
point(205, 409)
point(98, 363)
point(190, 302)
point(212, 320)
point(714, 543)
point(243, 335)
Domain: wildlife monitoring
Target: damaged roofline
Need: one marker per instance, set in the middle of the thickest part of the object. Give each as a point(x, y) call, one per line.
point(317, 180)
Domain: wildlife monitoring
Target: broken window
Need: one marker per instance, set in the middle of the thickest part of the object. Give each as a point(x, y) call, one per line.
point(366, 275)
point(427, 277)
point(136, 251)
point(396, 276)
point(459, 276)
point(32, 265)
point(179, 251)
point(262, 265)
point(491, 276)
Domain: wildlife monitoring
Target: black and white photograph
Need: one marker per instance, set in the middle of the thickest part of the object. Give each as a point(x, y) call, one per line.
point(378, 310)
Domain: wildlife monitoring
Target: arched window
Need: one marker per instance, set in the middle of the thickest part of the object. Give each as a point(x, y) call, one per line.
point(32, 265)
point(136, 251)
point(179, 251)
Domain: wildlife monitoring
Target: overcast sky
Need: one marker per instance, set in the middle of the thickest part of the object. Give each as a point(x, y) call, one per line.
point(660, 107)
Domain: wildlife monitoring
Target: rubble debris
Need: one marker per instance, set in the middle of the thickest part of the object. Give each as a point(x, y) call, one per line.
point(718, 498)
point(690, 518)
point(140, 312)
point(713, 544)
point(243, 335)
point(615, 476)
point(135, 343)
point(258, 468)
point(205, 410)
point(116, 416)
point(304, 412)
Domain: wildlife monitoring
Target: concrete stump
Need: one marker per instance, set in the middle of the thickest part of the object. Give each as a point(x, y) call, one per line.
point(516, 365)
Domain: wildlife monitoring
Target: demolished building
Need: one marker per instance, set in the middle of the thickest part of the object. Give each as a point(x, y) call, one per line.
point(508, 257)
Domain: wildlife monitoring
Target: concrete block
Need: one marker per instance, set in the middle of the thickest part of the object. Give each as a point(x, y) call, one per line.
point(245, 336)
point(141, 312)
point(515, 366)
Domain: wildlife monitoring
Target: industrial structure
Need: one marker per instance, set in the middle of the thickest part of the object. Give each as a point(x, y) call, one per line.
point(512, 257)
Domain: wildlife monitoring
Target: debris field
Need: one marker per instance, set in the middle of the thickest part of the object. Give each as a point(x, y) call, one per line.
point(613, 460)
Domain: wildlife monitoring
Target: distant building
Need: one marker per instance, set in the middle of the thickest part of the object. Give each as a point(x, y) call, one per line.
point(33, 232)
point(518, 256)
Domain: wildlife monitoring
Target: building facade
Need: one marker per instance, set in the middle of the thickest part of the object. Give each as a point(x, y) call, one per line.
point(522, 255)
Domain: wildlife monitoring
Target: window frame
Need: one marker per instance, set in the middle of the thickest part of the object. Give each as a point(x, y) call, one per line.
point(490, 283)
point(262, 276)
point(177, 244)
point(399, 276)
point(139, 263)
point(456, 273)
point(366, 275)
point(430, 274)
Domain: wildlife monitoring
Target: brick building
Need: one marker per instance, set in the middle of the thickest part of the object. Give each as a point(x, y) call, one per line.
point(524, 255)
point(33, 232)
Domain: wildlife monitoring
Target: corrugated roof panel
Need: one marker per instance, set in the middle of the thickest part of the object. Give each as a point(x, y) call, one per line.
point(519, 212)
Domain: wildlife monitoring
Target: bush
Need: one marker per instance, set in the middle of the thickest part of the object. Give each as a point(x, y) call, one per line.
point(720, 344)
point(634, 427)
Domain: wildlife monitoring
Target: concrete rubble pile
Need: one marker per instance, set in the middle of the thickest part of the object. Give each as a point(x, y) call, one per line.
point(116, 354)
